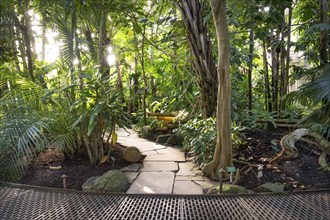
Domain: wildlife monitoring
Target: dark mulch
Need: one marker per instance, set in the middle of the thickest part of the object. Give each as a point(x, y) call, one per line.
point(260, 145)
point(300, 173)
point(77, 169)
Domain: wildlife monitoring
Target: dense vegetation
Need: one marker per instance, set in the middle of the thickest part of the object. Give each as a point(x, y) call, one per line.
point(71, 71)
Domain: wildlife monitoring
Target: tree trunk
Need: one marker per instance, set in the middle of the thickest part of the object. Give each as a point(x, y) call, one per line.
point(103, 42)
point(324, 36)
point(28, 45)
point(144, 99)
point(250, 68)
point(268, 97)
point(287, 67)
point(222, 157)
point(43, 48)
point(201, 49)
point(275, 70)
point(282, 61)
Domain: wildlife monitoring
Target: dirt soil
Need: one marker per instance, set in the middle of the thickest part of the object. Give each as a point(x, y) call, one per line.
point(77, 170)
point(260, 146)
point(300, 173)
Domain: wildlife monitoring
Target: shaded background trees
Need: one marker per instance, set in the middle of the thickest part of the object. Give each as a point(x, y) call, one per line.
point(73, 70)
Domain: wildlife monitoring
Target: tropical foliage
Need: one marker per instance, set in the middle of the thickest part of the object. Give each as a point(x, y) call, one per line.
point(72, 71)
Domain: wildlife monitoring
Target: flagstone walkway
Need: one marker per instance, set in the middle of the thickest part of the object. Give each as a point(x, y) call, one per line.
point(165, 169)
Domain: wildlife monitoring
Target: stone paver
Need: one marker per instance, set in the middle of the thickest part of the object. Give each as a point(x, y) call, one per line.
point(169, 150)
point(186, 187)
point(134, 167)
point(165, 170)
point(159, 166)
point(185, 169)
point(152, 182)
point(189, 178)
point(131, 176)
point(179, 156)
point(153, 152)
point(148, 146)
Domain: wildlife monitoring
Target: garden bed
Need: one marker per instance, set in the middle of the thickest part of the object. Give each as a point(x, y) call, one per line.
point(301, 173)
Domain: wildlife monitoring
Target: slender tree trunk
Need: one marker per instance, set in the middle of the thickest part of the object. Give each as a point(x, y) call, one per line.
point(144, 99)
point(101, 59)
point(76, 40)
point(12, 44)
point(43, 37)
point(275, 70)
point(28, 44)
point(268, 97)
point(136, 86)
point(324, 36)
point(287, 67)
point(43, 48)
point(71, 42)
point(282, 60)
point(250, 68)
point(222, 157)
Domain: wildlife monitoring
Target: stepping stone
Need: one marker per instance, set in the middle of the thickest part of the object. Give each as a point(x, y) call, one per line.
point(134, 167)
point(187, 187)
point(166, 157)
point(169, 150)
point(152, 152)
point(185, 169)
point(159, 166)
point(189, 178)
point(143, 146)
point(131, 176)
point(152, 182)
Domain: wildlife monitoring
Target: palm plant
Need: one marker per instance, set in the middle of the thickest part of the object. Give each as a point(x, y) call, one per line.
point(22, 124)
point(316, 93)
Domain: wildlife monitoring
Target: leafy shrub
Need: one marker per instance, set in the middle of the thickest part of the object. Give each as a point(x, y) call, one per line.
point(200, 137)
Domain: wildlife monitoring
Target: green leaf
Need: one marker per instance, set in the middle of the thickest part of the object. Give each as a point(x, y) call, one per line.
point(92, 119)
point(114, 137)
point(137, 28)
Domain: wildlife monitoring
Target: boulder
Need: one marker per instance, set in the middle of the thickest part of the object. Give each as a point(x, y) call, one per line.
point(162, 139)
point(111, 181)
point(132, 154)
point(270, 187)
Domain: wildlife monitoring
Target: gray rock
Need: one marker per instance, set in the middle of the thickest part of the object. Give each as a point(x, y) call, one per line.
point(161, 139)
point(88, 185)
point(111, 181)
point(270, 187)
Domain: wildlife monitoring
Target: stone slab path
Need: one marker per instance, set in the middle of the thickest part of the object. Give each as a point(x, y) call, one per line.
point(165, 169)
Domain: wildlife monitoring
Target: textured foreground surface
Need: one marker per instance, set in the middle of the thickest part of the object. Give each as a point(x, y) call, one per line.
point(25, 202)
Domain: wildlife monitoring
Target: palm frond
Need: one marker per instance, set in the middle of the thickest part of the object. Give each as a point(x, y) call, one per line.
point(314, 92)
point(21, 138)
